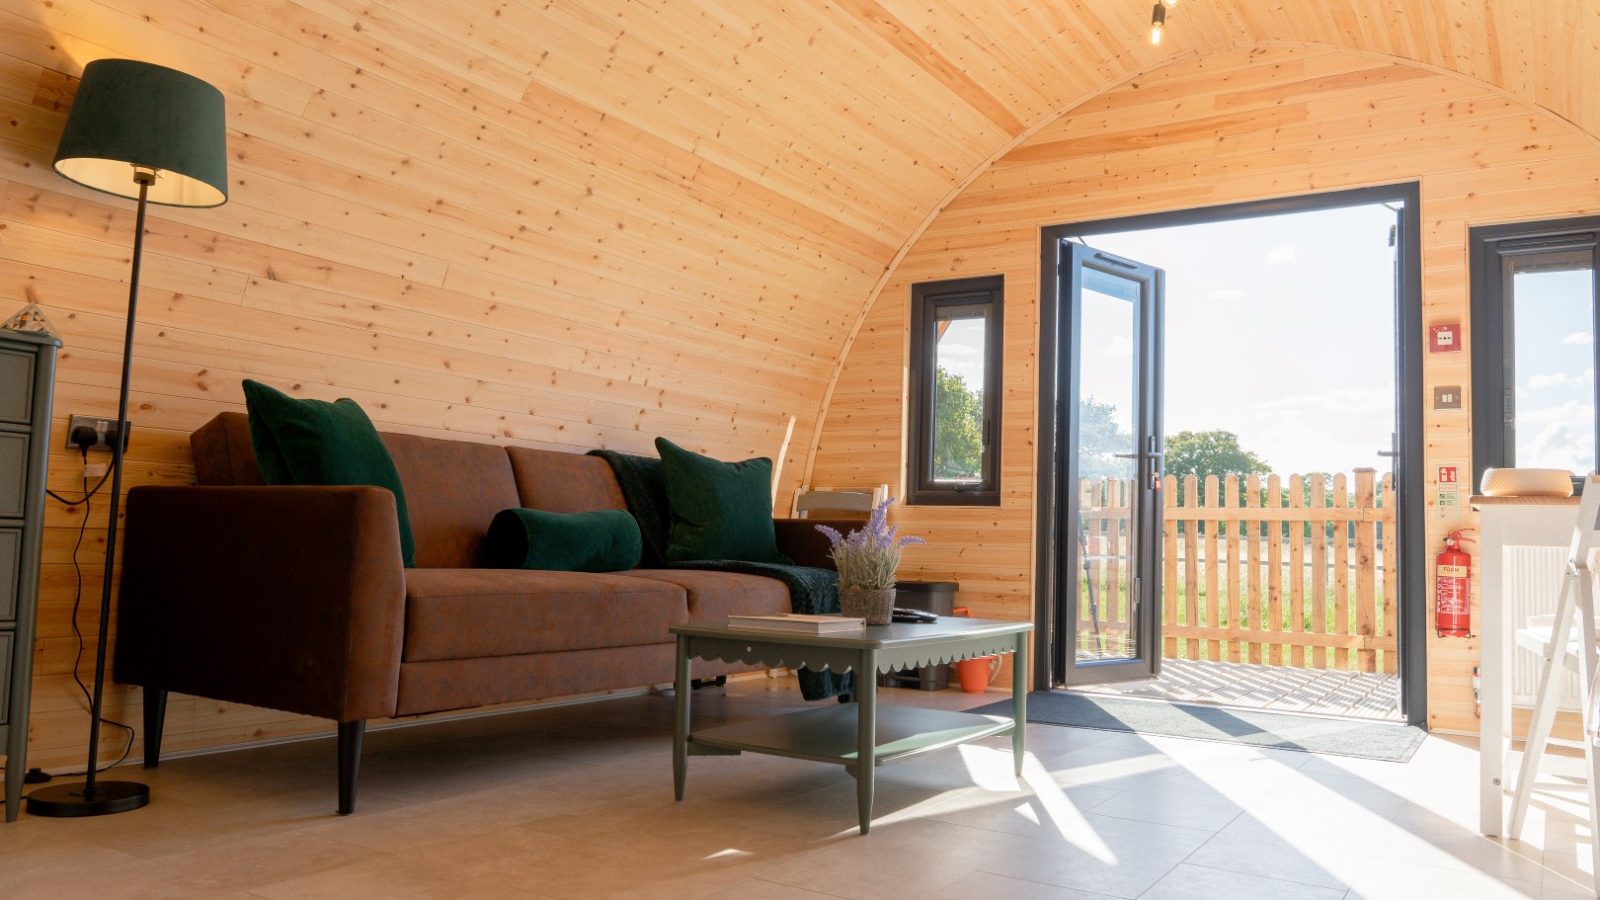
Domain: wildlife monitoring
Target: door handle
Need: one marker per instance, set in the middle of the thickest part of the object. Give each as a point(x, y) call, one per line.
point(1157, 471)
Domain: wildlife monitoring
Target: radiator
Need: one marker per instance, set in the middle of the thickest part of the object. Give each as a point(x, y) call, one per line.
point(1532, 585)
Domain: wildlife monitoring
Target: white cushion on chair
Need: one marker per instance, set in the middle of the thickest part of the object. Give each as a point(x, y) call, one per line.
point(1526, 483)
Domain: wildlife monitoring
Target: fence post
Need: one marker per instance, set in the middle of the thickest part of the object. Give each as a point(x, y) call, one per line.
point(1319, 569)
point(1235, 608)
point(1169, 563)
point(1391, 589)
point(1341, 568)
point(1251, 539)
point(1213, 646)
point(1366, 558)
point(1274, 571)
point(1297, 571)
point(1191, 560)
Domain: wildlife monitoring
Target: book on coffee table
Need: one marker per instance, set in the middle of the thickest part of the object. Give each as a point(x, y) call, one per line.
point(797, 623)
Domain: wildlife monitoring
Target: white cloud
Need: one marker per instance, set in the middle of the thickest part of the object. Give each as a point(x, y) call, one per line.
point(1226, 294)
point(1119, 346)
point(1551, 380)
point(1581, 338)
point(1283, 253)
point(1573, 411)
point(1557, 437)
point(1335, 400)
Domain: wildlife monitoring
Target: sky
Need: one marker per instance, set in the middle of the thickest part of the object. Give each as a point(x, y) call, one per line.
point(960, 351)
point(1553, 330)
point(1279, 329)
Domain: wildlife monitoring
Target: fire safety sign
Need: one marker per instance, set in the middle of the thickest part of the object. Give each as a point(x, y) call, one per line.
point(1444, 337)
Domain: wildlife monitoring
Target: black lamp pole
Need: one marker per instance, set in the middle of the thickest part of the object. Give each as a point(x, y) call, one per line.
point(168, 128)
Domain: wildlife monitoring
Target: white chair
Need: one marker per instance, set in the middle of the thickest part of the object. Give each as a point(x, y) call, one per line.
point(1566, 644)
point(806, 502)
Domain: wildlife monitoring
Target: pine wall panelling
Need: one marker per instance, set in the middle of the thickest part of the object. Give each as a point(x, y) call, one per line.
point(1235, 126)
point(574, 224)
point(485, 257)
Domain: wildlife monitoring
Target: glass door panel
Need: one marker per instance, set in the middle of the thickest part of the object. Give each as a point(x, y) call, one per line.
point(1107, 457)
point(1113, 467)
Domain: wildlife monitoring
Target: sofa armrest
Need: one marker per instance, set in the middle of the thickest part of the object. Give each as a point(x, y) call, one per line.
point(291, 598)
point(800, 540)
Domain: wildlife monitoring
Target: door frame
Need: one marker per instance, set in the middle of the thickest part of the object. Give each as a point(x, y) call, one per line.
point(1411, 515)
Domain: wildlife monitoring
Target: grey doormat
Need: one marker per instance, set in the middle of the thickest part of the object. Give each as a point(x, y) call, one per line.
point(1256, 728)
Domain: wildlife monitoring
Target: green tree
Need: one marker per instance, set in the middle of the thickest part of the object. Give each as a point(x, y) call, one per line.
point(957, 428)
point(1099, 440)
point(1203, 453)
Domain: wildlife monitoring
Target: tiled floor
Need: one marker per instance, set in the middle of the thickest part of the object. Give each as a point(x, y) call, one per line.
point(576, 802)
point(1332, 692)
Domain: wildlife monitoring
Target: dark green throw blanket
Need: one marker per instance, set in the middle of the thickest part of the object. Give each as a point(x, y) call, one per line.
point(811, 590)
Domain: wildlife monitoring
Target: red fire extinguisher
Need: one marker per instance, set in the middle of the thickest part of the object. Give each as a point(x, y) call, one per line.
point(1452, 601)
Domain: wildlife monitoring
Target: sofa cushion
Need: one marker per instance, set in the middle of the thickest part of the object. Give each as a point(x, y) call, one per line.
point(454, 488)
point(469, 613)
point(564, 482)
point(713, 596)
point(443, 684)
point(643, 485)
point(720, 510)
point(321, 443)
point(600, 540)
point(222, 452)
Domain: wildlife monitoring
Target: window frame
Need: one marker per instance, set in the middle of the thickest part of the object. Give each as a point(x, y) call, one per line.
point(1489, 249)
point(928, 299)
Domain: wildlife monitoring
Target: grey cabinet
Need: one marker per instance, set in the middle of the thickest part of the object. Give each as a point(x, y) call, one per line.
point(27, 380)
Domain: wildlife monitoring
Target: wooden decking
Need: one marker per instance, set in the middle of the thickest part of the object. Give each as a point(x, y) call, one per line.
point(1335, 692)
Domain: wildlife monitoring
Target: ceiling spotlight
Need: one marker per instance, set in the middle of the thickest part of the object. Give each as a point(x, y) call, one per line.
point(1158, 22)
point(1170, 3)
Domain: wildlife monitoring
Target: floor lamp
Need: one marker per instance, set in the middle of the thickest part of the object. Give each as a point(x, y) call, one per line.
point(154, 134)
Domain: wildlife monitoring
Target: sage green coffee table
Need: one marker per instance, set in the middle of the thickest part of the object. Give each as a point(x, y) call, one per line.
point(849, 733)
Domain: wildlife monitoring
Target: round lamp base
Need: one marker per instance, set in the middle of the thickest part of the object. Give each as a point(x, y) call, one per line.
point(108, 797)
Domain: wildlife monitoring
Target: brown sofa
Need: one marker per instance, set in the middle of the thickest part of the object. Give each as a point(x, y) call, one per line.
point(294, 598)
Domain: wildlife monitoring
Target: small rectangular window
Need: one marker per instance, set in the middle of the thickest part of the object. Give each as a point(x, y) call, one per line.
point(956, 340)
point(1534, 352)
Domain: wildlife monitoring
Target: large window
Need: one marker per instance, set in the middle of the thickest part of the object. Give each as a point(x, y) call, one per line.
point(1534, 351)
point(956, 329)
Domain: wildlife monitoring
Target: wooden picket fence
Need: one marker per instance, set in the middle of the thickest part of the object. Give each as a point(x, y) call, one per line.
point(1285, 572)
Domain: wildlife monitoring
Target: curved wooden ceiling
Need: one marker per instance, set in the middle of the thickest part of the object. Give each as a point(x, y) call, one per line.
point(725, 181)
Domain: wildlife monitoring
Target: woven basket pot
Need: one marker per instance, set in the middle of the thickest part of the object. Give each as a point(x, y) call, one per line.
point(873, 604)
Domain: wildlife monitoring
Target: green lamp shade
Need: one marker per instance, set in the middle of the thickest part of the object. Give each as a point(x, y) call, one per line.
point(130, 114)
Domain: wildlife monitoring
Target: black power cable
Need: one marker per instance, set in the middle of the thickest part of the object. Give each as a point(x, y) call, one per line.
point(83, 437)
point(77, 598)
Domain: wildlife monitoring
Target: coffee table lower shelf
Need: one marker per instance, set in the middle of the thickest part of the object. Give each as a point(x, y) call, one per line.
point(859, 735)
point(828, 734)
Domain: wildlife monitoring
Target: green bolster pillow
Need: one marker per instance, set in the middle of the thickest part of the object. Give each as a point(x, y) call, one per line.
point(605, 540)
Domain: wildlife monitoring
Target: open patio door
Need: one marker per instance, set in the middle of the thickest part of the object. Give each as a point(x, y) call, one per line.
point(1108, 538)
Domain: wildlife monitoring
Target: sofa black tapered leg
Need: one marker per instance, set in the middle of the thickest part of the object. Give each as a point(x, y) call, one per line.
point(350, 734)
point(155, 721)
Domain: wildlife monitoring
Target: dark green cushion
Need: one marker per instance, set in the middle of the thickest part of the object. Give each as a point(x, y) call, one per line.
point(720, 510)
point(317, 442)
point(605, 540)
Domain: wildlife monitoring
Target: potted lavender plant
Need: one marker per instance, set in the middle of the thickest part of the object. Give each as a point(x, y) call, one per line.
point(866, 560)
